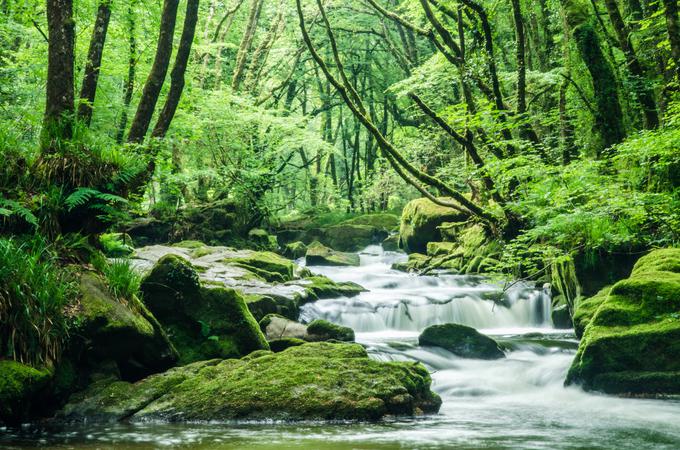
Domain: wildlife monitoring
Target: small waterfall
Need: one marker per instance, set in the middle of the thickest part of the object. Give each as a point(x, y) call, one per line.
point(402, 302)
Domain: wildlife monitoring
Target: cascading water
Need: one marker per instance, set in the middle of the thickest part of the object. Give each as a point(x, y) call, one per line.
point(518, 402)
point(399, 302)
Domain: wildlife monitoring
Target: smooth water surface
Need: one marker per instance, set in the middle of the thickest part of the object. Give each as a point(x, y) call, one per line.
point(515, 403)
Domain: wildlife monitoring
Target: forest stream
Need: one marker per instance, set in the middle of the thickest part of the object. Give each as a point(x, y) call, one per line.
point(516, 402)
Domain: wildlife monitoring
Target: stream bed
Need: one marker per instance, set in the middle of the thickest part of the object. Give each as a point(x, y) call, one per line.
point(514, 403)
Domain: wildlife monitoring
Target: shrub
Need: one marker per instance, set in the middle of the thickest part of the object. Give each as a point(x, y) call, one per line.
point(34, 292)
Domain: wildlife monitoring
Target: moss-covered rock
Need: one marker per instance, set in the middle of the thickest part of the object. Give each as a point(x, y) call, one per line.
point(19, 388)
point(116, 245)
point(420, 221)
point(391, 243)
point(351, 237)
point(279, 345)
point(320, 255)
point(313, 381)
point(461, 340)
point(586, 308)
point(261, 239)
point(323, 330)
point(560, 317)
point(203, 323)
point(267, 265)
point(260, 305)
point(295, 250)
point(632, 342)
point(126, 333)
point(320, 287)
point(382, 221)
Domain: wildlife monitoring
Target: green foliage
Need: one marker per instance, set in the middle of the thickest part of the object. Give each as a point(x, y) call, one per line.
point(122, 279)
point(34, 292)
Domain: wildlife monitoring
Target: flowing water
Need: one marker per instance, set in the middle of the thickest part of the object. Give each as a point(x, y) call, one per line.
point(515, 403)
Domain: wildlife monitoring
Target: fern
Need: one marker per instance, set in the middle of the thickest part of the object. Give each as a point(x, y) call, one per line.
point(10, 208)
point(82, 196)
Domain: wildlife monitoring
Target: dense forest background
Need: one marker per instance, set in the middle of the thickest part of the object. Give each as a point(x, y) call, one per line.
point(554, 124)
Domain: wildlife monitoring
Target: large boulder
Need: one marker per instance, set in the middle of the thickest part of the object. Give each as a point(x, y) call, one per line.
point(320, 255)
point(124, 332)
point(461, 340)
point(586, 308)
point(350, 237)
point(316, 381)
point(20, 386)
point(420, 221)
point(631, 344)
point(319, 287)
point(276, 327)
point(267, 265)
point(202, 322)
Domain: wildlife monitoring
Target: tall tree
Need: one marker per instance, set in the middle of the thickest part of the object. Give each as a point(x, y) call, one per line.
point(159, 69)
point(130, 77)
point(246, 43)
point(60, 95)
point(177, 76)
point(94, 62)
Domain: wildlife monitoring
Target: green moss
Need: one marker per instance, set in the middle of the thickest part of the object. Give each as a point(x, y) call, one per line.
point(116, 245)
point(420, 221)
point(19, 385)
point(202, 322)
point(189, 244)
point(267, 265)
point(279, 345)
point(312, 381)
point(348, 237)
point(383, 221)
point(635, 329)
point(323, 330)
point(295, 250)
point(321, 287)
point(319, 254)
point(586, 309)
point(461, 340)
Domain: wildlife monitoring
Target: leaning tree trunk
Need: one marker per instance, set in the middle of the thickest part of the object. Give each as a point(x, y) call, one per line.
point(246, 43)
point(60, 95)
point(94, 62)
point(177, 75)
point(152, 88)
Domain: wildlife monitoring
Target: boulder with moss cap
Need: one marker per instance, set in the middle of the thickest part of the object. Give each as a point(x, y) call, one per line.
point(631, 344)
point(202, 322)
point(315, 381)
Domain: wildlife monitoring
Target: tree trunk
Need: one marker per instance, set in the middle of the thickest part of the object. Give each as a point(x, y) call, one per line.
point(130, 79)
point(60, 95)
point(94, 62)
point(246, 43)
point(178, 71)
point(526, 132)
point(152, 88)
point(673, 29)
point(644, 93)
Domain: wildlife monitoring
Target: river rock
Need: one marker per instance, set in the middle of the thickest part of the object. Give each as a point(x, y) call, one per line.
point(632, 343)
point(295, 250)
point(320, 255)
point(323, 330)
point(352, 237)
point(275, 326)
point(586, 309)
point(461, 340)
point(126, 333)
point(420, 221)
point(315, 381)
point(202, 322)
point(20, 386)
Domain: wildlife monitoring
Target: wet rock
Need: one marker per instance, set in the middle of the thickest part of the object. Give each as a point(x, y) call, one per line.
point(320, 287)
point(320, 255)
point(349, 237)
point(20, 386)
point(202, 322)
point(316, 381)
point(391, 243)
point(420, 221)
point(261, 305)
point(586, 309)
point(275, 327)
point(279, 345)
point(631, 344)
point(126, 333)
point(295, 250)
point(323, 330)
point(267, 265)
point(263, 240)
point(461, 340)
point(560, 317)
